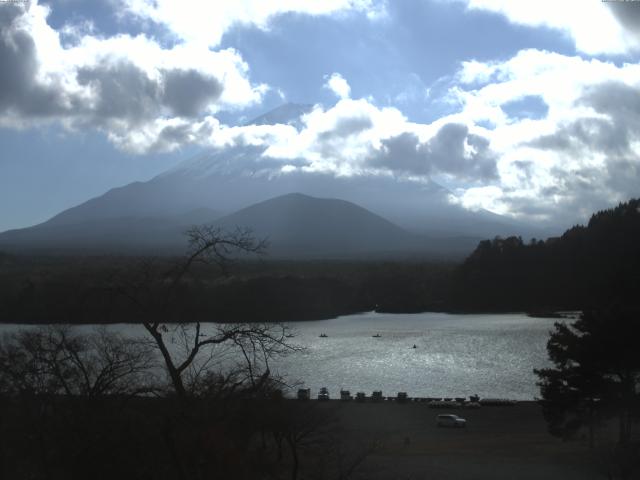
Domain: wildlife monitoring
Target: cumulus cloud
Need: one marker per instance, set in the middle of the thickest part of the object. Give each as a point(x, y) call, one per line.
point(338, 85)
point(452, 151)
point(130, 87)
point(627, 14)
point(578, 19)
point(357, 138)
point(142, 94)
point(579, 150)
point(206, 22)
point(581, 154)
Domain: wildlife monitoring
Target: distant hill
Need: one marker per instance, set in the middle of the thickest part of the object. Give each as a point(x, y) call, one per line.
point(298, 225)
point(588, 266)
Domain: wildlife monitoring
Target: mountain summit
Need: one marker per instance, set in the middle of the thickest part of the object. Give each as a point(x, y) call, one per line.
point(300, 225)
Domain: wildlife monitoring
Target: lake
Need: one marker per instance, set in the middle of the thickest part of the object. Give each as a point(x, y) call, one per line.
point(456, 355)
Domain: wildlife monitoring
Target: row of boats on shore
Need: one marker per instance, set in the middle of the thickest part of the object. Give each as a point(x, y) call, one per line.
point(473, 401)
point(324, 335)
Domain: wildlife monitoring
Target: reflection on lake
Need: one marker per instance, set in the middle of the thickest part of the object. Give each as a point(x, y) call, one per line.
point(455, 355)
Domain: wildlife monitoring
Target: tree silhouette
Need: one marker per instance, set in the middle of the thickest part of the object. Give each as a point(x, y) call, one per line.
point(596, 372)
point(154, 292)
point(587, 267)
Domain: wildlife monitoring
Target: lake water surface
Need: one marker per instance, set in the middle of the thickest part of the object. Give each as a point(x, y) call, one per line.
point(455, 355)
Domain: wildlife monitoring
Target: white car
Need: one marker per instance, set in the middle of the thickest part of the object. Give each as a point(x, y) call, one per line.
point(450, 420)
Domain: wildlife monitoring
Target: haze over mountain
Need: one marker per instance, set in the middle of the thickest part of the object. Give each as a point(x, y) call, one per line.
point(302, 226)
point(219, 182)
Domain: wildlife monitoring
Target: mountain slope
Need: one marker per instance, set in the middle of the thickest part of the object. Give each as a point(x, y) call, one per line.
point(297, 224)
point(229, 179)
point(143, 235)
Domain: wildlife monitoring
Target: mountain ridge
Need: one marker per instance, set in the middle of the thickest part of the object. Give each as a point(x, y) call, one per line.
point(233, 178)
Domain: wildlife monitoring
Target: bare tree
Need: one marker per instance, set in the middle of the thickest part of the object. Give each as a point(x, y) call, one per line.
point(58, 360)
point(199, 349)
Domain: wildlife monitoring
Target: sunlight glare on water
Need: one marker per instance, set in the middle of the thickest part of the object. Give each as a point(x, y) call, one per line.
point(455, 355)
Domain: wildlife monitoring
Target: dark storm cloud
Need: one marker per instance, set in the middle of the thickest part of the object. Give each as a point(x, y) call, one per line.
point(611, 136)
point(444, 153)
point(20, 94)
point(175, 135)
point(627, 14)
point(594, 134)
point(188, 92)
point(585, 189)
point(347, 126)
point(121, 90)
point(126, 92)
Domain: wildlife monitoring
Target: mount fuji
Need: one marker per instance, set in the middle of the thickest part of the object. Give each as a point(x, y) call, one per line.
point(222, 185)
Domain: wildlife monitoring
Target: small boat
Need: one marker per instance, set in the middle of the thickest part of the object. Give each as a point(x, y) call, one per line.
point(415, 346)
point(377, 335)
point(323, 335)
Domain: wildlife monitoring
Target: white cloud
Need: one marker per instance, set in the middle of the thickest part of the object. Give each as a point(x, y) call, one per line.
point(142, 94)
point(575, 158)
point(205, 22)
point(590, 24)
point(338, 85)
point(145, 96)
point(355, 137)
point(130, 87)
point(564, 162)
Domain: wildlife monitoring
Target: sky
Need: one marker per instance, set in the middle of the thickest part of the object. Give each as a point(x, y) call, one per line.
point(529, 109)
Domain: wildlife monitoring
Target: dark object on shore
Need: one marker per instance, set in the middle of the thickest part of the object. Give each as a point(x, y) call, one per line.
point(360, 397)
point(414, 346)
point(546, 315)
point(323, 395)
point(323, 335)
point(304, 393)
point(497, 402)
point(376, 396)
point(377, 335)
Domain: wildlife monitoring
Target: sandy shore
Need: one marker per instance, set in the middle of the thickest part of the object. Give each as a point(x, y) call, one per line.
point(498, 443)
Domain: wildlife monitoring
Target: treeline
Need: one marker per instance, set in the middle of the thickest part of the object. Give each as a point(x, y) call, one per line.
point(81, 289)
point(587, 267)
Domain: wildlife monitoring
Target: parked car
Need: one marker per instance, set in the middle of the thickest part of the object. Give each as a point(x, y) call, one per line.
point(304, 393)
point(323, 394)
point(450, 420)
